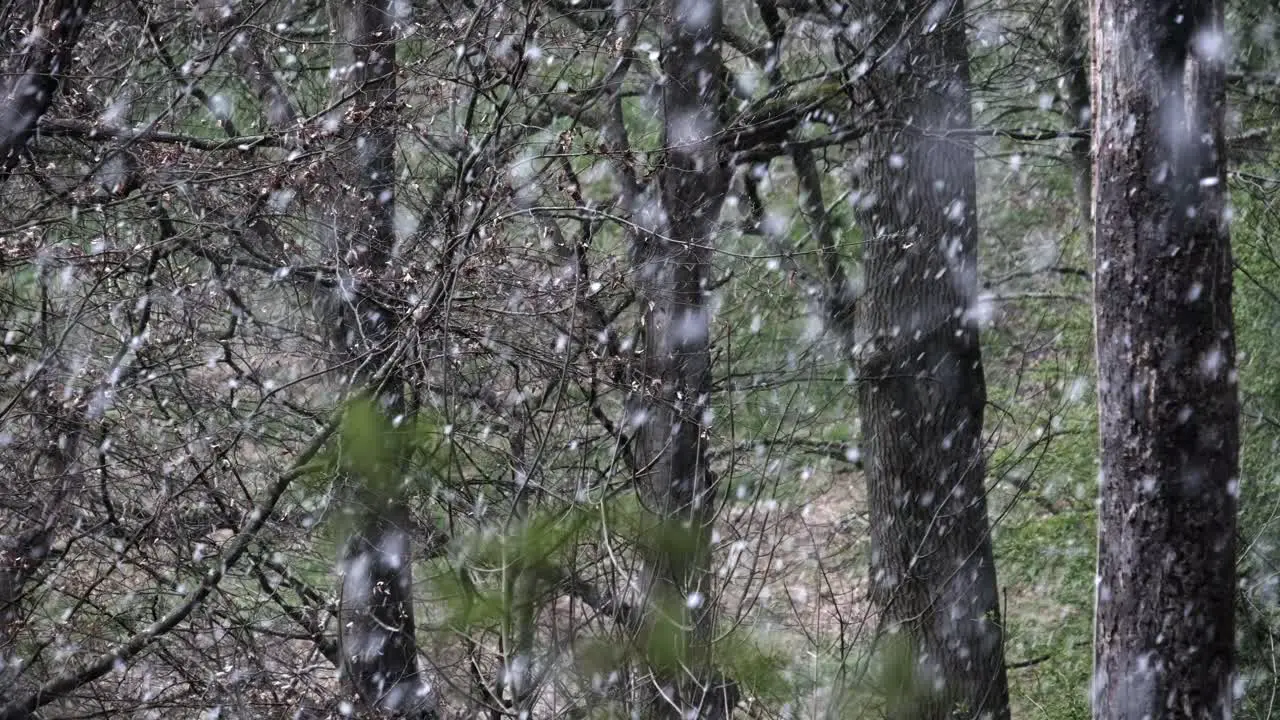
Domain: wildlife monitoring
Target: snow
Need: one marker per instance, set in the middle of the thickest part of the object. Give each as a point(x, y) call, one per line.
point(695, 15)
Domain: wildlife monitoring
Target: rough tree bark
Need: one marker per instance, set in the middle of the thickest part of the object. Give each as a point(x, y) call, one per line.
point(921, 387)
point(1164, 631)
point(377, 632)
point(675, 270)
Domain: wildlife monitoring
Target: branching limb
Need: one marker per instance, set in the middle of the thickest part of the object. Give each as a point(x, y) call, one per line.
point(71, 679)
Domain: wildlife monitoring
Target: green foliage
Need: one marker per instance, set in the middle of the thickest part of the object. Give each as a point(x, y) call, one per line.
point(372, 446)
point(378, 455)
point(758, 663)
point(470, 607)
point(469, 583)
point(664, 639)
point(1257, 307)
point(894, 677)
point(1042, 421)
point(1047, 565)
point(541, 543)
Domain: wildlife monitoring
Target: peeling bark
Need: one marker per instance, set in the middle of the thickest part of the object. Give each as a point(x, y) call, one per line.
point(1167, 395)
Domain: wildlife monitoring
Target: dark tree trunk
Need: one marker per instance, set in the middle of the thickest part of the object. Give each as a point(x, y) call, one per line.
point(28, 86)
point(675, 271)
point(1073, 60)
point(921, 386)
point(377, 631)
point(1164, 632)
point(21, 556)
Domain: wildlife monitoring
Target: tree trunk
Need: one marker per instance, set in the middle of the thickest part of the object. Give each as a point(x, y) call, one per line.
point(36, 74)
point(377, 631)
point(1073, 60)
point(1164, 632)
point(921, 386)
point(675, 270)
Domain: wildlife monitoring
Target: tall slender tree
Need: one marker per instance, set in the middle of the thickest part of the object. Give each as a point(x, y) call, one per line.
point(1073, 61)
point(922, 391)
point(1167, 392)
point(675, 268)
point(376, 624)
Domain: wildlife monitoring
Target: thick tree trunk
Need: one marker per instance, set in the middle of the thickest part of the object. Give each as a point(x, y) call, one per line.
point(1166, 363)
point(377, 631)
point(675, 270)
point(922, 391)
